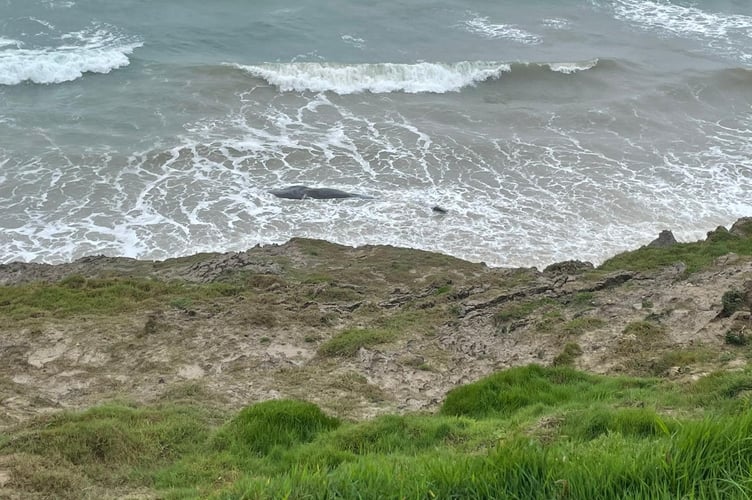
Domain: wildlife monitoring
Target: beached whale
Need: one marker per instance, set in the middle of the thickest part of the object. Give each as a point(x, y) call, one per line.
point(303, 192)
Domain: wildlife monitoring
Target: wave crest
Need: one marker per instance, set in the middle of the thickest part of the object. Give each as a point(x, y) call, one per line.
point(88, 51)
point(391, 77)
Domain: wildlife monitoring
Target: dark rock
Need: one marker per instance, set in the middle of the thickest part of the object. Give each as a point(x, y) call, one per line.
point(720, 234)
point(568, 267)
point(665, 239)
point(214, 268)
point(742, 227)
point(611, 281)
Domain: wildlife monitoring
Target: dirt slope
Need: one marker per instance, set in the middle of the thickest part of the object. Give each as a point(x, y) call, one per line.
point(233, 329)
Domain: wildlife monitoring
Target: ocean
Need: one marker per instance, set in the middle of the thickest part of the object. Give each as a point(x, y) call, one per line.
point(548, 129)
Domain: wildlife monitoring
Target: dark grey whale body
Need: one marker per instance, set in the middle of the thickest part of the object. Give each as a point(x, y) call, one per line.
point(303, 192)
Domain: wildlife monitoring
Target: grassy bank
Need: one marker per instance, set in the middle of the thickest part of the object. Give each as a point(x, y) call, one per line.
point(695, 256)
point(527, 432)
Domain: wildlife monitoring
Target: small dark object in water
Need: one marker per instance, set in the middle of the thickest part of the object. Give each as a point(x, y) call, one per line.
point(439, 210)
point(303, 192)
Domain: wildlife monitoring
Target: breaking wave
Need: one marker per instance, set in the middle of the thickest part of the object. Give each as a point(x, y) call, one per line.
point(391, 77)
point(94, 50)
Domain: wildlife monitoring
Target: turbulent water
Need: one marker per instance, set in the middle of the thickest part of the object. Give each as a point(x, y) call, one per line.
point(549, 129)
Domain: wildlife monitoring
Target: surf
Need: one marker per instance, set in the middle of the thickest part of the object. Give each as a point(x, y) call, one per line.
point(94, 50)
point(380, 78)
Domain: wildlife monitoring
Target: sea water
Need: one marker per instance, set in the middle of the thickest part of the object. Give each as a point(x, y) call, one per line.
point(548, 129)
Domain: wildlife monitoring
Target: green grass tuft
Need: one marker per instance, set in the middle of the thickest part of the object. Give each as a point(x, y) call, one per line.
point(732, 301)
point(582, 325)
point(643, 330)
point(507, 392)
point(518, 311)
point(277, 423)
point(348, 342)
point(567, 356)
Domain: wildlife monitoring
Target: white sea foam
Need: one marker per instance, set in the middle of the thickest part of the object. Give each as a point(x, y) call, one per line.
point(480, 25)
point(680, 19)
point(690, 21)
point(62, 4)
point(356, 42)
point(43, 22)
point(572, 67)
point(556, 23)
point(376, 78)
point(6, 42)
point(96, 50)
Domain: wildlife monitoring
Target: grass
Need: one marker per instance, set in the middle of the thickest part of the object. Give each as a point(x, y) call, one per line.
point(736, 338)
point(76, 295)
point(583, 299)
point(529, 432)
point(643, 330)
point(509, 391)
point(695, 256)
point(384, 329)
point(732, 301)
point(260, 428)
point(582, 325)
point(568, 354)
point(517, 311)
point(61, 455)
point(349, 342)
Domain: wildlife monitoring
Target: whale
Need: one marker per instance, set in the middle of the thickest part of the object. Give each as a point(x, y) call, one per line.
point(303, 192)
point(300, 192)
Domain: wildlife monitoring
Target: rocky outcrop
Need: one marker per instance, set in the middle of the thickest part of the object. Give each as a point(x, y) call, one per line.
point(665, 239)
point(569, 267)
point(742, 227)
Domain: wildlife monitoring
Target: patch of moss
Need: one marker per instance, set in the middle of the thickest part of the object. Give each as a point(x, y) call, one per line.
point(681, 358)
point(357, 384)
point(261, 318)
point(518, 310)
point(567, 356)
point(643, 329)
point(732, 301)
point(330, 292)
point(582, 325)
point(582, 299)
point(550, 321)
point(348, 342)
point(736, 338)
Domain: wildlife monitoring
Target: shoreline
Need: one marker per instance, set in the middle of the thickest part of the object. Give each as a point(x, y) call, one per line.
point(115, 258)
